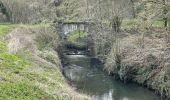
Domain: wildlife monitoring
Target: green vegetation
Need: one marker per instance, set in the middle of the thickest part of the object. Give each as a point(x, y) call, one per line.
point(134, 23)
point(29, 61)
point(76, 36)
point(5, 28)
point(22, 91)
point(46, 37)
point(77, 39)
point(10, 66)
point(14, 61)
point(8, 60)
point(29, 75)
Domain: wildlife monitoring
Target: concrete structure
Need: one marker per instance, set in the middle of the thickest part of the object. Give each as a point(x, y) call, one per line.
point(64, 28)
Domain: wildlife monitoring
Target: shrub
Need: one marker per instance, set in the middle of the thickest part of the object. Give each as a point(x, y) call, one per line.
point(46, 37)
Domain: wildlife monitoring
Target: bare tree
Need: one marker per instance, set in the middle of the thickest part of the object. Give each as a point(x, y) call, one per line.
point(33, 11)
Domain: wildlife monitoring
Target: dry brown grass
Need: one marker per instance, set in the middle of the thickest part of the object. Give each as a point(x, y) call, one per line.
point(20, 38)
point(148, 64)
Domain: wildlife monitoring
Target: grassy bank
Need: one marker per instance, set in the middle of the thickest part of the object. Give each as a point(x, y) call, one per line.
point(30, 66)
point(142, 60)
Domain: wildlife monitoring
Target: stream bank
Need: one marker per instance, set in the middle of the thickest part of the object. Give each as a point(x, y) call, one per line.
point(144, 63)
point(30, 66)
point(87, 76)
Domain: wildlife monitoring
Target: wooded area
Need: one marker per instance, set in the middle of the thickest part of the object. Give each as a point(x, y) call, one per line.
point(130, 37)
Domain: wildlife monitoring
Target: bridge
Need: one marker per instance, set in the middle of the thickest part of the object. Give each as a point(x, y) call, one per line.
point(64, 28)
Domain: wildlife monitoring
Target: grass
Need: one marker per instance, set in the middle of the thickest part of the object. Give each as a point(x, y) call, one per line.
point(158, 24)
point(14, 86)
point(127, 24)
point(11, 65)
point(22, 91)
point(134, 23)
point(25, 77)
point(150, 73)
point(9, 60)
point(77, 39)
point(5, 28)
point(76, 35)
point(41, 44)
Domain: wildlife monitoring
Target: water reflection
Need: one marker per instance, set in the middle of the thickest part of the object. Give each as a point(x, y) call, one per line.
point(87, 75)
point(105, 96)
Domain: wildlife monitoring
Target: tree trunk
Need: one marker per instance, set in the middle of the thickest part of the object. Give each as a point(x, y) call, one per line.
point(165, 11)
point(133, 8)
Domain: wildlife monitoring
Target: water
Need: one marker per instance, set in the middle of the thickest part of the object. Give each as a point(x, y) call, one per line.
point(87, 76)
